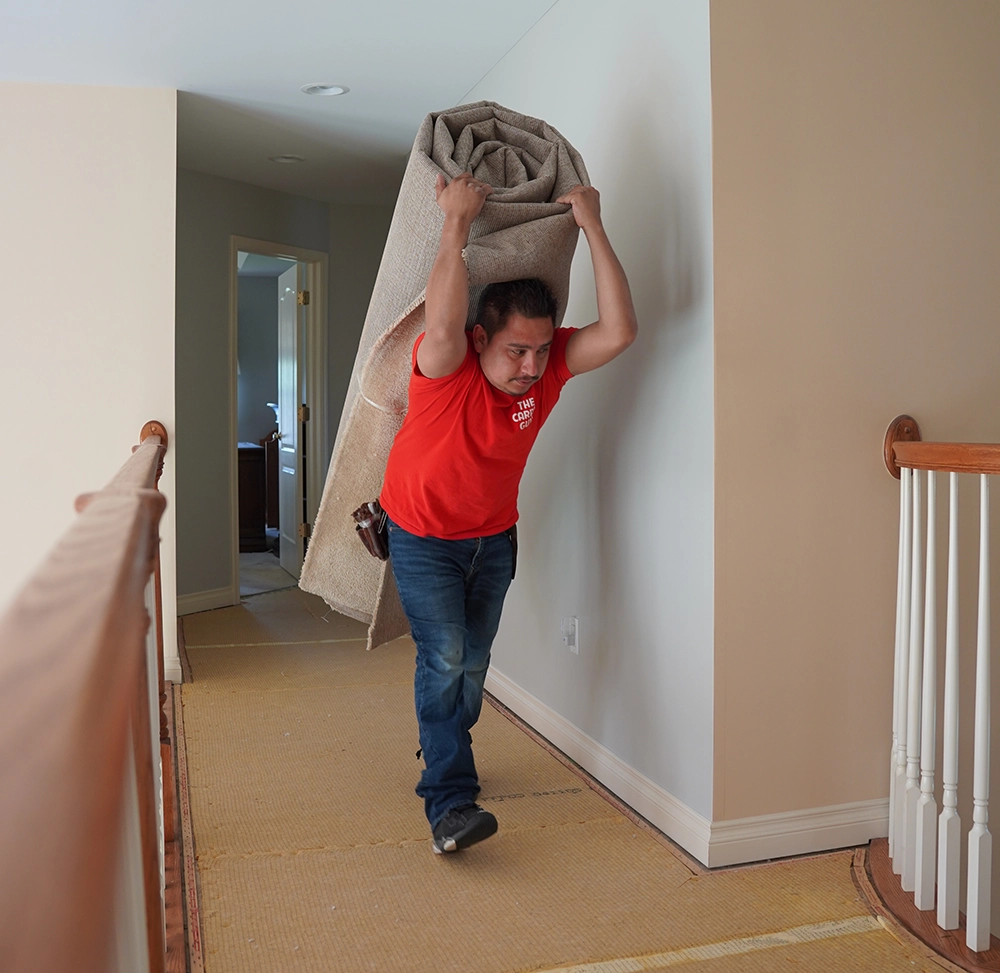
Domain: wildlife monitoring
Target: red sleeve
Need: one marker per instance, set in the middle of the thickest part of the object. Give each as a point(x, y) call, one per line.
point(557, 360)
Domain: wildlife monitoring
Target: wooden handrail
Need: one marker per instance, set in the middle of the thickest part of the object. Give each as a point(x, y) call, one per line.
point(73, 692)
point(903, 448)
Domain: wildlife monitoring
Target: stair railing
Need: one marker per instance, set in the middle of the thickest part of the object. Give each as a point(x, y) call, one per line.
point(925, 846)
point(81, 813)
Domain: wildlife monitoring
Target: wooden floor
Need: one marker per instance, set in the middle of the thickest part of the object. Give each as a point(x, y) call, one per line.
point(949, 944)
point(176, 942)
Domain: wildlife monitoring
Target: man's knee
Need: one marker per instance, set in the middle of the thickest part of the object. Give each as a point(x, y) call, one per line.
point(440, 648)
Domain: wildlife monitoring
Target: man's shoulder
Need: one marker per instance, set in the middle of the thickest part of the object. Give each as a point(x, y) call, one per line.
point(445, 392)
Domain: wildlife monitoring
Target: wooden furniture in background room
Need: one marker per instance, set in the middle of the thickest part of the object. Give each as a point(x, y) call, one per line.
point(253, 498)
point(270, 444)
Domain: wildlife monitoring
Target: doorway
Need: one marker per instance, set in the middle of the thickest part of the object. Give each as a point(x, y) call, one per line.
point(278, 409)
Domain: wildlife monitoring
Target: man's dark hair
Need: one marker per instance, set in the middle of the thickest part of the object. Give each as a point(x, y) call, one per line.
point(530, 298)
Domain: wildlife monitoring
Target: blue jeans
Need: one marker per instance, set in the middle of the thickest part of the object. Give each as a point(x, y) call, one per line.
point(452, 593)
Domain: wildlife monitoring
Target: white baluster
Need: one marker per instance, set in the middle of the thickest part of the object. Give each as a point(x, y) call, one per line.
point(904, 476)
point(912, 794)
point(977, 932)
point(923, 893)
point(950, 824)
point(899, 774)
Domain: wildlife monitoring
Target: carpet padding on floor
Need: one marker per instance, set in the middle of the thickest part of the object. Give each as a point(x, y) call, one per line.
point(314, 855)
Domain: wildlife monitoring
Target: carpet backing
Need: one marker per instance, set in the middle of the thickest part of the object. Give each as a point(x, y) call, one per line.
point(314, 855)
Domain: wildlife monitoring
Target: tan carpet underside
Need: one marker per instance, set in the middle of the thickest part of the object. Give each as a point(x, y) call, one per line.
point(314, 855)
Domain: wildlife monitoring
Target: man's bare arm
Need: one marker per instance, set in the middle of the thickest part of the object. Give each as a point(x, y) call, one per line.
point(447, 300)
point(616, 326)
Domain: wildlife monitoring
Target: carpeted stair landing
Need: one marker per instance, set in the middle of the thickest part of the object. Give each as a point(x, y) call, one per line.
point(313, 853)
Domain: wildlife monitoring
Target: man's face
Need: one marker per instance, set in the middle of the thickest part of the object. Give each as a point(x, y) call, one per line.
point(517, 356)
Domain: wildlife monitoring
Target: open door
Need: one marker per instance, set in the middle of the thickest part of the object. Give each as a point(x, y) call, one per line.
point(290, 374)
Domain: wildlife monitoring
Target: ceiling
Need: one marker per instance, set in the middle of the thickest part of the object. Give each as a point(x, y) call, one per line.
point(259, 265)
point(239, 67)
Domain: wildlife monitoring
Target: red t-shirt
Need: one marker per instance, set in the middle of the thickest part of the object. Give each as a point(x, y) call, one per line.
point(456, 463)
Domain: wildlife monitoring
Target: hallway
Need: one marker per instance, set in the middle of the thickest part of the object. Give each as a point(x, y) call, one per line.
point(313, 854)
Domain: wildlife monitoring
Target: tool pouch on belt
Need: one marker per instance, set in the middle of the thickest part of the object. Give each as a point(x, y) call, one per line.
point(512, 534)
point(371, 527)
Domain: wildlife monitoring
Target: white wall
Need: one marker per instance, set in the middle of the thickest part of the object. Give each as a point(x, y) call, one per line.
point(617, 501)
point(87, 264)
point(257, 354)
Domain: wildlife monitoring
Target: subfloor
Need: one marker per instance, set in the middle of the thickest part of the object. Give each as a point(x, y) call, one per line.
point(313, 853)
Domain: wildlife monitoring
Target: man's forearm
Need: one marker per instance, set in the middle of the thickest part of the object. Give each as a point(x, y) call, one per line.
point(616, 314)
point(446, 302)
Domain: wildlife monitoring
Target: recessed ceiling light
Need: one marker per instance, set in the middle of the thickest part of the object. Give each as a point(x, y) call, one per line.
point(286, 159)
point(325, 89)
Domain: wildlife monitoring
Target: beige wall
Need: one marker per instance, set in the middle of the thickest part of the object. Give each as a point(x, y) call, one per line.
point(857, 227)
point(87, 319)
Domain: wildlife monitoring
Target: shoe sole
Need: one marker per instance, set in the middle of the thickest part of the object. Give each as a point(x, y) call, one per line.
point(480, 830)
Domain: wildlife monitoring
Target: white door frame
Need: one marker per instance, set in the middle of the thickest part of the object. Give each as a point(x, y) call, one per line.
point(317, 454)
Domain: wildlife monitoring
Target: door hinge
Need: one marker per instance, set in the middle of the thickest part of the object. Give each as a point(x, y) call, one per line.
point(305, 530)
point(303, 413)
point(303, 297)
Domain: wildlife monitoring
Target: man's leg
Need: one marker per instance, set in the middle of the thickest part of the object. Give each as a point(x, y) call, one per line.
point(430, 576)
point(485, 591)
point(452, 593)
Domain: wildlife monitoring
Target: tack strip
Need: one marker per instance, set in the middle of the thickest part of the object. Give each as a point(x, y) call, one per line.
point(690, 862)
point(192, 912)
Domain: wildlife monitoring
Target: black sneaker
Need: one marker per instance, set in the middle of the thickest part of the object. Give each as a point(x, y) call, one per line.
point(461, 827)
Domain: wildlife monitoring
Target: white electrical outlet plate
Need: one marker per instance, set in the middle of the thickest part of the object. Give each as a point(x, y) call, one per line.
point(569, 629)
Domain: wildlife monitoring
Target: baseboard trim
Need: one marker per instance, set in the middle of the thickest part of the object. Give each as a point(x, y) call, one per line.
point(203, 601)
point(798, 832)
point(717, 843)
point(673, 817)
point(172, 670)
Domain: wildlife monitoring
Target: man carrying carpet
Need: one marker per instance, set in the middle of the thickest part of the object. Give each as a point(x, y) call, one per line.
point(476, 402)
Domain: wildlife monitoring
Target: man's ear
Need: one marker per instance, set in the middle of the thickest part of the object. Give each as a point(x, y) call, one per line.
point(480, 339)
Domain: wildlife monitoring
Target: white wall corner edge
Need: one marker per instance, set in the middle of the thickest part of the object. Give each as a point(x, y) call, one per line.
point(714, 844)
point(203, 601)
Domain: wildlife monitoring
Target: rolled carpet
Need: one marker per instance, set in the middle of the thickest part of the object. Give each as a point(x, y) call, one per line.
point(521, 232)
